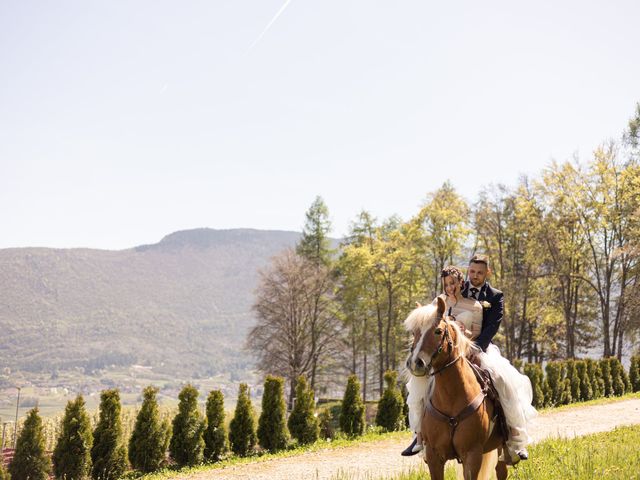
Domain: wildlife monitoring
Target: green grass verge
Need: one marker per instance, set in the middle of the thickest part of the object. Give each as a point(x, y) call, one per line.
point(611, 455)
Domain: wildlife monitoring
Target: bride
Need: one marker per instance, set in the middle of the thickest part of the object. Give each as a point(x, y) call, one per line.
point(514, 389)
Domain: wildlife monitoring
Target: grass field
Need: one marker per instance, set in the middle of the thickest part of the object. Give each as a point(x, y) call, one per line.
point(611, 455)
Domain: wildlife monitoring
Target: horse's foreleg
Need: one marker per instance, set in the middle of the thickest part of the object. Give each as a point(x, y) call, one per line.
point(501, 471)
point(471, 464)
point(434, 462)
point(489, 461)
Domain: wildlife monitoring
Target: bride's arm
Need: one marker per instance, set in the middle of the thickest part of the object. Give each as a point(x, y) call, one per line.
point(465, 332)
point(476, 325)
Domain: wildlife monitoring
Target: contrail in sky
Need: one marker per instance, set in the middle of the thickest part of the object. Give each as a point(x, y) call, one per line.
point(282, 9)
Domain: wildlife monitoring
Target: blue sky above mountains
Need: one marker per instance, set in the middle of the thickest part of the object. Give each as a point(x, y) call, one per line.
point(122, 121)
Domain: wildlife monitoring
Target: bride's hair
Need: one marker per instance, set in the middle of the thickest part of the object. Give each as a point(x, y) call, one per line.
point(453, 271)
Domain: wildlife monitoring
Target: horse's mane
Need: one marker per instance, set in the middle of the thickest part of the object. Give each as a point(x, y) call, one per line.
point(465, 345)
point(421, 318)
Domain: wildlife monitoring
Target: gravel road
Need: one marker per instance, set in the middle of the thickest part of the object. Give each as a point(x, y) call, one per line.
point(370, 460)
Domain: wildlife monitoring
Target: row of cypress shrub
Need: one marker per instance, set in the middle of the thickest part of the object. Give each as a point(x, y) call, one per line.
point(568, 381)
point(79, 451)
point(190, 439)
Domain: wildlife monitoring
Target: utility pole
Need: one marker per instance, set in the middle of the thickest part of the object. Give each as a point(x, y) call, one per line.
point(15, 426)
point(4, 429)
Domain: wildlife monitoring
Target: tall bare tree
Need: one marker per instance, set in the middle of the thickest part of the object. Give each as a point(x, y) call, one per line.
point(296, 329)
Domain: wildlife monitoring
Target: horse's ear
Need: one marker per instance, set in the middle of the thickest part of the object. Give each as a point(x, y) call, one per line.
point(441, 307)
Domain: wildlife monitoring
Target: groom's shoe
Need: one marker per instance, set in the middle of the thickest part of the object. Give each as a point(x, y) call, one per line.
point(412, 449)
point(523, 454)
point(513, 458)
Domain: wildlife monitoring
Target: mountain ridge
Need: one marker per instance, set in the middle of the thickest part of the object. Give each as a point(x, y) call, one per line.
point(182, 305)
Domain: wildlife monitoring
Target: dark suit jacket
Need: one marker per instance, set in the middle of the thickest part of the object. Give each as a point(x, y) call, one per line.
point(491, 317)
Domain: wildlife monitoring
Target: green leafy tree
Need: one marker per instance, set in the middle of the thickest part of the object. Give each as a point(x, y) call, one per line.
point(108, 453)
point(303, 424)
point(148, 439)
point(352, 421)
point(272, 424)
point(359, 294)
point(389, 415)
point(506, 224)
point(445, 219)
point(603, 196)
point(242, 429)
point(315, 244)
point(30, 460)
point(632, 134)
point(72, 453)
point(187, 442)
point(215, 436)
point(563, 247)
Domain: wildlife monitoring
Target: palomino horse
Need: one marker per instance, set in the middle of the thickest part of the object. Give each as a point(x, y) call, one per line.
point(458, 419)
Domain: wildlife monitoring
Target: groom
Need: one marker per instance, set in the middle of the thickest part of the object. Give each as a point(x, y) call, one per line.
point(492, 299)
point(478, 288)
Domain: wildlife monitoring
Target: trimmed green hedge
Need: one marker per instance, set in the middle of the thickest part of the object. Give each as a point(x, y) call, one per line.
point(390, 407)
point(571, 381)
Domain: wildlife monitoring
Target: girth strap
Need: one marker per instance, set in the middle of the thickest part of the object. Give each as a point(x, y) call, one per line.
point(454, 421)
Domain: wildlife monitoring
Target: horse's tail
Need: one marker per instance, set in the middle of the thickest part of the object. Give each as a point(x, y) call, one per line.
point(487, 468)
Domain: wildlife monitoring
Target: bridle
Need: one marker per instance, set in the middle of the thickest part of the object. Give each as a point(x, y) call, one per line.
point(446, 337)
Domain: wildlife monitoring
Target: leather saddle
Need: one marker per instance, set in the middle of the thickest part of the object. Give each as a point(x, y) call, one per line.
point(486, 384)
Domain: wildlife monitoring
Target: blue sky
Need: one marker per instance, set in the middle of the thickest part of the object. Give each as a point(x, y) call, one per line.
point(123, 121)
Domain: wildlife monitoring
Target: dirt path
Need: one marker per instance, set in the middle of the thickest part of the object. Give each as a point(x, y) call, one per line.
point(371, 460)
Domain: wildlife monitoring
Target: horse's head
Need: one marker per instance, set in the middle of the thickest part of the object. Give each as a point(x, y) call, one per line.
point(435, 338)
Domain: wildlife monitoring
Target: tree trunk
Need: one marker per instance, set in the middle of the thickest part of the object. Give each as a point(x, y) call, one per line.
point(292, 392)
point(364, 363)
point(380, 348)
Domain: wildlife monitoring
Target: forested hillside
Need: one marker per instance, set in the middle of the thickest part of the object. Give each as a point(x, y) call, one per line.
point(182, 306)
